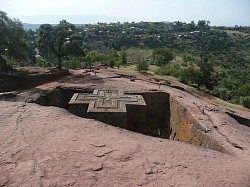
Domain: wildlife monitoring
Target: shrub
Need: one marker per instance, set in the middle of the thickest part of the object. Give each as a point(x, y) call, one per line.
point(188, 57)
point(191, 75)
point(106, 63)
point(245, 101)
point(184, 63)
point(23, 73)
point(172, 69)
point(111, 63)
point(118, 64)
point(142, 66)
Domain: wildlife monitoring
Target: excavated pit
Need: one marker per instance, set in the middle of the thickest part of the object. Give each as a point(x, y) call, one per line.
point(241, 120)
point(162, 113)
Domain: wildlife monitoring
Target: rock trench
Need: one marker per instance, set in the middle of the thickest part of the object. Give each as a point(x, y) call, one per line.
point(163, 116)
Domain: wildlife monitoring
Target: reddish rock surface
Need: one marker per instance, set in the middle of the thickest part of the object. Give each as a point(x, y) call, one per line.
point(48, 146)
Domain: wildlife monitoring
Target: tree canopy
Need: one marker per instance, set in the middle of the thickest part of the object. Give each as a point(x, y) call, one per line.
point(62, 40)
point(123, 57)
point(142, 66)
point(162, 56)
point(12, 40)
point(92, 57)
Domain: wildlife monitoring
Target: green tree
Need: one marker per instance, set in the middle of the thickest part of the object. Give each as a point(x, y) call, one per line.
point(118, 64)
point(135, 55)
point(12, 40)
point(203, 25)
point(162, 56)
point(160, 60)
point(111, 63)
point(245, 101)
point(191, 75)
point(112, 58)
point(62, 40)
point(207, 71)
point(123, 57)
point(91, 58)
point(102, 57)
point(114, 55)
point(202, 76)
point(142, 66)
point(31, 39)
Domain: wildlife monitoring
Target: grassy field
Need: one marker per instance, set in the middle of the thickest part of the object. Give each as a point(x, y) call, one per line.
point(234, 33)
point(152, 68)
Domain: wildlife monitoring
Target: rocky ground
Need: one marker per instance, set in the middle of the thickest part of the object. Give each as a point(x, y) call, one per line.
point(48, 146)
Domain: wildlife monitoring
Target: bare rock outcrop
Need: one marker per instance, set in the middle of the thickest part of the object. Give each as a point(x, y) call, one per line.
point(48, 146)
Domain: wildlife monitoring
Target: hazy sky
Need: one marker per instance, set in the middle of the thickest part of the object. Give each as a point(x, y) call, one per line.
point(219, 12)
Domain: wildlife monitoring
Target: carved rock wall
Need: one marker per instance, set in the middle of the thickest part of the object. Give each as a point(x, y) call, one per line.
point(11, 83)
point(186, 128)
point(156, 116)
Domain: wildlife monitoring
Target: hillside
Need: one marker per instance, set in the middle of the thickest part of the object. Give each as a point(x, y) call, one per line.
point(214, 59)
